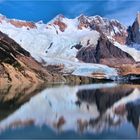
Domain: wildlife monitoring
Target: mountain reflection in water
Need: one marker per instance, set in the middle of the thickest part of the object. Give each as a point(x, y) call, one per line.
point(92, 110)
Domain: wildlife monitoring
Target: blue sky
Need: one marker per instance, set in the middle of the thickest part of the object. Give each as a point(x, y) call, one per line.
point(35, 10)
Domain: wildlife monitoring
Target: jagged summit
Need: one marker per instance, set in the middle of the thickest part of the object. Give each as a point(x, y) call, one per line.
point(138, 18)
point(60, 24)
point(112, 28)
point(60, 16)
point(134, 31)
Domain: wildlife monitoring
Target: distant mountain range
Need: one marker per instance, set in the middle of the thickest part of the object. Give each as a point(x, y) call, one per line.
point(92, 47)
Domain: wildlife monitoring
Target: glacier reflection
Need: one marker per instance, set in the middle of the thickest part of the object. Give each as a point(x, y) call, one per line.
point(90, 108)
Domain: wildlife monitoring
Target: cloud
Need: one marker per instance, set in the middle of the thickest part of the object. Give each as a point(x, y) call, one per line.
point(74, 9)
point(80, 8)
point(127, 14)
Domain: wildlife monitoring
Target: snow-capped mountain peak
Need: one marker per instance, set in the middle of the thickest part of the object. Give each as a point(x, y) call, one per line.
point(61, 24)
point(71, 42)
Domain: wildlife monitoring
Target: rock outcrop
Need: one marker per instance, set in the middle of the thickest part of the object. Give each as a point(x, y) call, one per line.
point(18, 23)
point(62, 26)
point(58, 22)
point(105, 52)
point(134, 31)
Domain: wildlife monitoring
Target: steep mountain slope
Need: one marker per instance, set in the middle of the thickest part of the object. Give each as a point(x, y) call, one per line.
point(17, 67)
point(72, 43)
point(104, 53)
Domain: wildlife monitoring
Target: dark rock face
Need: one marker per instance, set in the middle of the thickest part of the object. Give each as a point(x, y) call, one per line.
point(104, 53)
point(87, 54)
point(134, 31)
point(77, 46)
point(9, 49)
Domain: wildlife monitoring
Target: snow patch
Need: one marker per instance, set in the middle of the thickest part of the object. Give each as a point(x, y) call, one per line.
point(132, 51)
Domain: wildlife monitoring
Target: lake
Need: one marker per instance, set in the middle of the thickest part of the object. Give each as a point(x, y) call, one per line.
point(87, 111)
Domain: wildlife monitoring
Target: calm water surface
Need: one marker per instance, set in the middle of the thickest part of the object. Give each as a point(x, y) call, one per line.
point(85, 111)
